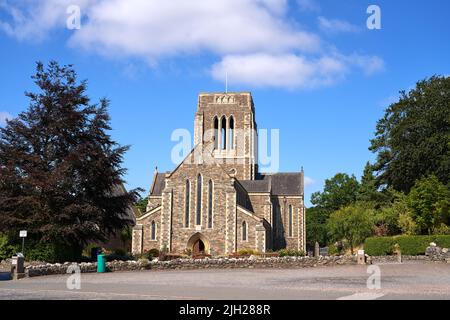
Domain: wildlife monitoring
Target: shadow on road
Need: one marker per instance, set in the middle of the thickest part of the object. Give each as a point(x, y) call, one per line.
point(4, 276)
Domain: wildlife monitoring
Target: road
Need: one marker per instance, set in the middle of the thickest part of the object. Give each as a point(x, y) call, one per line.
point(398, 281)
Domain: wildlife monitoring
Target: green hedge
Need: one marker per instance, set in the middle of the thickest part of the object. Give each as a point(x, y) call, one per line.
point(379, 246)
point(409, 245)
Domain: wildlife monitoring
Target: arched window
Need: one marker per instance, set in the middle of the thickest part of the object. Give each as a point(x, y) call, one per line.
point(290, 221)
point(198, 219)
point(187, 203)
point(231, 132)
point(223, 133)
point(244, 231)
point(153, 231)
point(210, 203)
point(216, 133)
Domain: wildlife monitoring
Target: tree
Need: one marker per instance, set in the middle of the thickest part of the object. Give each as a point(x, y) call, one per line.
point(353, 224)
point(316, 230)
point(429, 201)
point(142, 205)
point(339, 191)
point(59, 167)
point(368, 190)
point(412, 139)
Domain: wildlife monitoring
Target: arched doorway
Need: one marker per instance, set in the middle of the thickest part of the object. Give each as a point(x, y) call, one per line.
point(198, 244)
point(198, 248)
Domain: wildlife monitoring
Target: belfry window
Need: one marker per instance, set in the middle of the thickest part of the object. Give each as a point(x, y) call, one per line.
point(198, 219)
point(244, 231)
point(223, 133)
point(216, 133)
point(231, 134)
point(210, 203)
point(187, 204)
point(153, 230)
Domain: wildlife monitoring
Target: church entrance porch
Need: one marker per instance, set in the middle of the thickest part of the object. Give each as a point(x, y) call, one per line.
point(198, 244)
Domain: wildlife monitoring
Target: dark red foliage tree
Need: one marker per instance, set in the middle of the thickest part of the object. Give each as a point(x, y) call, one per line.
point(60, 171)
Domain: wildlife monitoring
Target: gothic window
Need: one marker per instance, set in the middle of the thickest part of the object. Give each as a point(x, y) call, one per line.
point(210, 203)
point(244, 231)
point(216, 132)
point(290, 221)
point(223, 133)
point(187, 203)
point(198, 219)
point(153, 230)
point(231, 132)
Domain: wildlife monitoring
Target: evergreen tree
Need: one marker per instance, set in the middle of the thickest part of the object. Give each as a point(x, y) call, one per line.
point(60, 170)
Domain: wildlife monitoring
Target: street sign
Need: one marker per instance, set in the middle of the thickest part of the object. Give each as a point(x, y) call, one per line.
point(23, 233)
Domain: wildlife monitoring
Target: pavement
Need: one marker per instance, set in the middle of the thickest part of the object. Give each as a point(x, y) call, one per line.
point(411, 280)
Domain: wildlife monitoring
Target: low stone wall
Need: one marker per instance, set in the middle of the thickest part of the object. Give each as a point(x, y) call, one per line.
point(184, 264)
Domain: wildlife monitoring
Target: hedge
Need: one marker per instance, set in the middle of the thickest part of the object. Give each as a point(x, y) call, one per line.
point(409, 245)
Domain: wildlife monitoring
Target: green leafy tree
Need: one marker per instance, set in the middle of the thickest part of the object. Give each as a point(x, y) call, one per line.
point(412, 139)
point(352, 223)
point(339, 191)
point(142, 205)
point(316, 230)
point(429, 201)
point(60, 168)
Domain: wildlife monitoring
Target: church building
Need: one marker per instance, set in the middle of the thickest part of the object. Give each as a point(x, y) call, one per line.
point(215, 201)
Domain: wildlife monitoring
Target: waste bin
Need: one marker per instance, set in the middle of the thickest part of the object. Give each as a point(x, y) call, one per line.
point(101, 263)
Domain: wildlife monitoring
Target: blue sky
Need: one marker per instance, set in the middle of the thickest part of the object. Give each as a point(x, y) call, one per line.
point(316, 72)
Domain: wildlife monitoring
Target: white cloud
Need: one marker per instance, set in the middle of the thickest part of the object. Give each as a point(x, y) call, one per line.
point(287, 70)
point(308, 5)
point(336, 26)
point(4, 116)
point(255, 40)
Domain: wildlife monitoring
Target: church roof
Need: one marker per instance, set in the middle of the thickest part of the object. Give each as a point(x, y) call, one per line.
point(159, 185)
point(279, 184)
point(255, 185)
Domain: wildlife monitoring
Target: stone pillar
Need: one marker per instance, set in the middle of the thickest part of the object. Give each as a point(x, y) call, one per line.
point(316, 249)
point(137, 239)
point(260, 238)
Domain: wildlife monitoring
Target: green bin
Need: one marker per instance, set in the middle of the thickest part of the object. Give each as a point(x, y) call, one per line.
point(101, 263)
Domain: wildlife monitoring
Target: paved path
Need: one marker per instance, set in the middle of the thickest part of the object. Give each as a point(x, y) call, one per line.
point(398, 281)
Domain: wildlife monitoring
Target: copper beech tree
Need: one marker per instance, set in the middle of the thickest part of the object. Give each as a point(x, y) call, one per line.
point(59, 167)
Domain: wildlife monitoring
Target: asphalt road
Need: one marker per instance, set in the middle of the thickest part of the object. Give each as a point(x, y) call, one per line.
point(398, 281)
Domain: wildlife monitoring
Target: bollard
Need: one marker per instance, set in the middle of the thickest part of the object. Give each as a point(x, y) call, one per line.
point(17, 267)
point(101, 263)
point(361, 257)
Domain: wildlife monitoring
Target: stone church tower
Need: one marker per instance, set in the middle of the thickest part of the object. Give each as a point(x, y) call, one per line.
point(216, 202)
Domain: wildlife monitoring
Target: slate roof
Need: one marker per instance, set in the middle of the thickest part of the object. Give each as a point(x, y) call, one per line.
point(256, 185)
point(159, 184)
point(279, 184)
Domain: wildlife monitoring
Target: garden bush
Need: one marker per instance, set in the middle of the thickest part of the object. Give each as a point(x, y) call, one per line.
point(409, 245)
point(291, 253)
point(379, 246)
point(7, 250)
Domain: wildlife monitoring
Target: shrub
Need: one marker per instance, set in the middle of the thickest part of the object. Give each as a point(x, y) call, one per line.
point(247, 251)
point(409, 245)
point(7, 250)
point(333, 250)
point(413, 245)
point(379, 246)
point(443, 241)
point(291, 253)
point(51, 252)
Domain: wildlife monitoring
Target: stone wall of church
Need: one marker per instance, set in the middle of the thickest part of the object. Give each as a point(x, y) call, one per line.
point(282, 237)
point(142, 233)
point(216, 235)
